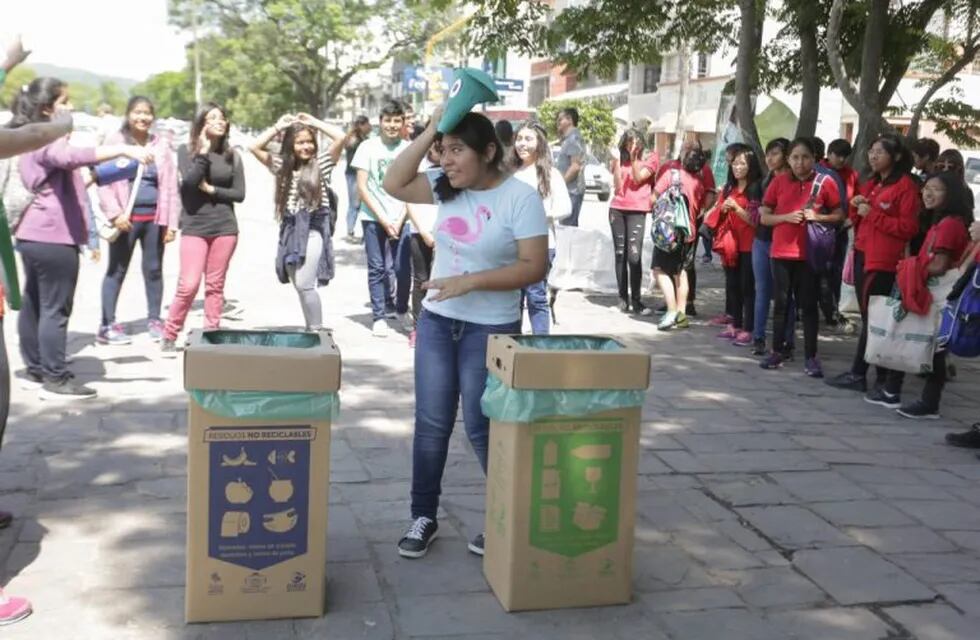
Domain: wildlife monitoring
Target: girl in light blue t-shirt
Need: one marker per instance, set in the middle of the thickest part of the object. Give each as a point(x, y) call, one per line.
point(491, 238)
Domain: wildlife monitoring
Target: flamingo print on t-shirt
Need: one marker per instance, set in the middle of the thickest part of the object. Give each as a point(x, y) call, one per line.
point(478, 231)
point(462, 231)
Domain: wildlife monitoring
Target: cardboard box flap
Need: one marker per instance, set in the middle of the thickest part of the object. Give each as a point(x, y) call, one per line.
point(602, 362)
point(262, 361)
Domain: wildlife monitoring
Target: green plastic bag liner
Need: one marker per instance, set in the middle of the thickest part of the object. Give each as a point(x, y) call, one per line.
point(500, 402)
point(267, 405)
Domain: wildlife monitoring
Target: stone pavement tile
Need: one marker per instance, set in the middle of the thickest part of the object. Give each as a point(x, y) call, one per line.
point(747, 490)
point(935, 622)
point(941, 478)
point(942, 515)
point(448, 568)
point(743, 536)
point(857, 575)
point(651, 439)
point(650, 464)
point(729, 442)
point(834, 623)
point(964, 539)
point(939, 568)
point(468, 511)
point(901, 539)
point(963, 595)
point(821, 486)
point(623, 622)
point(659, 567)
point(793, 527)
point(772, 587)
point(692, 600)
point(861, 513)
point(761, 461)
point(683, 462)
point(667, 483)
point(345, 542)
point(351, 583)
point(908, 491)
point(732, 623)
point(873, 443)
point(870, 474)
point(703, 506)
point(453, 613)
point(833, 457)
point(820, 442)
point(714, 550)
point(170, 487)
point(149, 422)
point(387, 464)
point(365, 621)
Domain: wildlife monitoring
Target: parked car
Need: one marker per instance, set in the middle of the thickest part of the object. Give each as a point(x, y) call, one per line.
point(971, 160)
point(598, 180)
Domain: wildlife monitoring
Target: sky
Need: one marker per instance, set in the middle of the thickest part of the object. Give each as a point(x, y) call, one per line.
point(125, 38)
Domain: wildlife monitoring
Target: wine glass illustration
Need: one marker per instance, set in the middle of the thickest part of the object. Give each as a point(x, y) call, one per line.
point(593, 475)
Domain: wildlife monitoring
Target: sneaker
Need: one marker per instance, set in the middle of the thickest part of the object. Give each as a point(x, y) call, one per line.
point(773, 361)
point(112, 335)
point(379, 329)
point(690, 310)
point(812, 368)
point(411, 339)
point(66, 389)
point(644, 311)
point(918, 410)
point(169, 348)
point(406, 320)
point(742, 339)
point(759, 347)
point(787, 354)
point(729, 333)
point(682, 321)
point(30, 381)
point(623, 306)
point(848, 380)
point(476, 544)
point(391, 315)
point(721, 321)
point(706, 259)
point(415, 543)
point(230, 311)
point(155, 329)
point(968, 439)
point(668, 321)
point(882, 398)
point(13, 609)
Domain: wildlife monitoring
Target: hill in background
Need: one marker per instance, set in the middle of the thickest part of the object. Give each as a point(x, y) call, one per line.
point(81, 76)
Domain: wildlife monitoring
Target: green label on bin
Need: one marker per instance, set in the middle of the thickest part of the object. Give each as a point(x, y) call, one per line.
point(575, 486)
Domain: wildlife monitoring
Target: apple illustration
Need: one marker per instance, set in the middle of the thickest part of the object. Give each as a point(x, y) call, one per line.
point(238, 492)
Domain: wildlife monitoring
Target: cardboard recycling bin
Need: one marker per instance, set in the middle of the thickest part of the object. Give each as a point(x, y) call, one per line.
point(259, 416)
point(562, 464)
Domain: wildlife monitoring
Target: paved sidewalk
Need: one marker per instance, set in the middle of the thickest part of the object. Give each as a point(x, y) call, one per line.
point(770, 506)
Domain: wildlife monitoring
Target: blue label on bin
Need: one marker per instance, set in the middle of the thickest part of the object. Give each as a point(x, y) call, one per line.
point(259, 493)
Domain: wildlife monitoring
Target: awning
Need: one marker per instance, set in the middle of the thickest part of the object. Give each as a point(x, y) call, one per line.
point(592, 92)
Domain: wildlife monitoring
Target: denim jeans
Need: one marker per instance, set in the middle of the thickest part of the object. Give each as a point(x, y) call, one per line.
point(762, 269)
point(450, 363)
point(380, 252)
point(572, 220)
point(403, 269)
point(353, 201)
point(535, 298)
point(149, 235)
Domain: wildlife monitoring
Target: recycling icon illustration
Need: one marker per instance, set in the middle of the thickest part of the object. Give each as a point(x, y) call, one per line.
point(259, 494)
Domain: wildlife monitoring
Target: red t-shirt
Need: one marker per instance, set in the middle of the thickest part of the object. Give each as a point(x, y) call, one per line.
point(850, 178)
point(632, 196)
point(707, 178)
point(949, 235)
point(883, 234)
point(693, 189)
point(744, 232)
point(786, 194)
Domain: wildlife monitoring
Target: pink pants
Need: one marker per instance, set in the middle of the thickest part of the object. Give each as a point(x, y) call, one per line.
point(207, 256)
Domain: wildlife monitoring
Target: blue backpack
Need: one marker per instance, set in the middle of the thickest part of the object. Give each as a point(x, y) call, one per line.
point(959, 329)
point(670, 216)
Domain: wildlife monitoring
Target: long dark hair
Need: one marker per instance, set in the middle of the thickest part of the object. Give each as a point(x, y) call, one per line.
point(895, 147)
point(955, 157)
point(626, 141)
point(477, 132)
point(753, 179)
point(308, 183)
point(542, 164)
point(30, 102)
point(132, 104)
point(200, 120)
point(957, 202)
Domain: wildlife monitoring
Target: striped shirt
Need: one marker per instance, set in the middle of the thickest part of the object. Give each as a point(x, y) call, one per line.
point(325, 164)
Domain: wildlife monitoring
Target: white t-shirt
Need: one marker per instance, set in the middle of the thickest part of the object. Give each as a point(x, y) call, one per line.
point(558, 205)
point(425, 214)
point(375, 157)
point(478, 231)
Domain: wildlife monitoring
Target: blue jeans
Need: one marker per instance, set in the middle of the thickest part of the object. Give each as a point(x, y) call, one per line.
point(572, 220)
point(149, 235)
point(450, 362)
point(353, 201)
point(535, 298)
point(380, 252)
point(762, 270)
point(403, 269)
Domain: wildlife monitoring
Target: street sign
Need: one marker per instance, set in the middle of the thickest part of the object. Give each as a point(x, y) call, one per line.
point(507, 84)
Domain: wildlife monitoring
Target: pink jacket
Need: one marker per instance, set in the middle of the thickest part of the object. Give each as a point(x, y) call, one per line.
point(114, 197)
point(58, 214)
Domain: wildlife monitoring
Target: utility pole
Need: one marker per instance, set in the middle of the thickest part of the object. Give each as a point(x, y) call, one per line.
point(195, 18)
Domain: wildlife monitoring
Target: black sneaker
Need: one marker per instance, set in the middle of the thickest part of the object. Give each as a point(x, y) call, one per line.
point(787, 354)
point(169, 348)
point(918, 410)
point(968, 439)
point(66, 389)
point(882, 398)
point(415, 543)
point(476, 544)
point(640, 309)
point(759, 348)
point(30, 381)
point(623, 306)
point(689, 310)
point(848, 380)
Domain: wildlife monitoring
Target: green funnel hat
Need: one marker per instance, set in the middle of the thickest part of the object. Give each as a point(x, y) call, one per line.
point(470, 87)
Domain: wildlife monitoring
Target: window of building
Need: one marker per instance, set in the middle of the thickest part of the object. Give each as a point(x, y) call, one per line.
point(538, 91)
point(651, 77)
point(623, 73)
point(703, 65)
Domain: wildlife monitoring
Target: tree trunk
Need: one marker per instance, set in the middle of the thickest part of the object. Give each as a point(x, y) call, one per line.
point(748, 39)
point(810, 77)
point(684, 63)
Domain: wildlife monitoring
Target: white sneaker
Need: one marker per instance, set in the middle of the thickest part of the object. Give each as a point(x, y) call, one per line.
point(406, 320)
point(379, 329)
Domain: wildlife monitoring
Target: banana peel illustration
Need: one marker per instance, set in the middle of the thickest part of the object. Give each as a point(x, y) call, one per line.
point(280, 522)
point(241, 460)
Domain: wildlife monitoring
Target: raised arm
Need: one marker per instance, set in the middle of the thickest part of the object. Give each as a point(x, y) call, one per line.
point(331, 131)
point(14, 142)
point(258, 147)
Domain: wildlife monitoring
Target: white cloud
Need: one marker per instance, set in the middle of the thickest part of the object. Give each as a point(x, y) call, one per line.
point(127, 38)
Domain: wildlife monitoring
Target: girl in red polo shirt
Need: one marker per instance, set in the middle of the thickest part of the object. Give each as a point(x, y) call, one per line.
point(792, 201)
point(885, 214)
point(739, 199)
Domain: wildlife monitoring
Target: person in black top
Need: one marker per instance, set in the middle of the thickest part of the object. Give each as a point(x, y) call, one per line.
point(359, 132)
point(211, 182)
